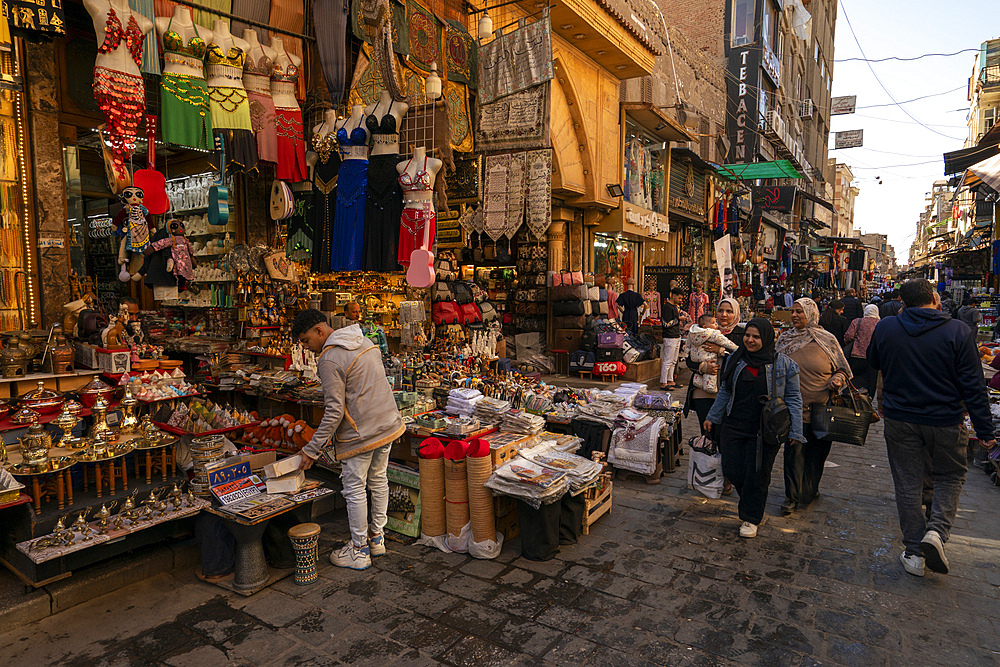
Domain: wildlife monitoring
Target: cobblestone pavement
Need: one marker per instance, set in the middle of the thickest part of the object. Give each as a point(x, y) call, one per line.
point(662, 579)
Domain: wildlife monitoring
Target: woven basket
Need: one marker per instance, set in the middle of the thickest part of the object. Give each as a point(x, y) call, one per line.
point(432, 511)
point(479, 470)
point(456, 490)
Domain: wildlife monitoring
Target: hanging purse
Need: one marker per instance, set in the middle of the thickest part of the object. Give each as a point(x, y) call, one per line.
point(279, 267)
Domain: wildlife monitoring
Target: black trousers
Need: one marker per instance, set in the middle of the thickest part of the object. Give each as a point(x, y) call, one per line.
point(804, 467)
point(739, 465)
point(865, 377)
point(701, 407)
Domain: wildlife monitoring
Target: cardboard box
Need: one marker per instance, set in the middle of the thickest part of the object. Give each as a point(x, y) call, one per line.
point(567, 339)
point(404, 500)
point(282, 467)
point(258, 461)
point(290, 483)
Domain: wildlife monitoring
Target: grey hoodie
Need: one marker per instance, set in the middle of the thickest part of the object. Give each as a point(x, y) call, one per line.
point(360, 413)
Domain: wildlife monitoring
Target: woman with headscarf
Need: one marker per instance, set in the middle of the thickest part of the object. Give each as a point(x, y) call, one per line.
point(823, 369)
point(856, 341)
point(750, 375)
point(727, 317)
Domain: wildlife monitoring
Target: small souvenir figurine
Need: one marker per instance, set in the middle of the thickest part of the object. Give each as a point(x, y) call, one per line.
point(134, 228)
point(182, 261)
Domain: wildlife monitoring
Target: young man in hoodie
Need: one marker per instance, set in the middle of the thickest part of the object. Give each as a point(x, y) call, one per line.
point(931, 376)
point(359, 424)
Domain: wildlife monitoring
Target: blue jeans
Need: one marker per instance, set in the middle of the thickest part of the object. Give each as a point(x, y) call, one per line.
point(360, 474)
point(909, 445)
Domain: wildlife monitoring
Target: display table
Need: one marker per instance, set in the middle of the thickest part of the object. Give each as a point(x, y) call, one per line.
point(48, 480)
point(252, 573)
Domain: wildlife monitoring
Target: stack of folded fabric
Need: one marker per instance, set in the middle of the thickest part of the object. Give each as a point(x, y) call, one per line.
point(533, 483)
point(462, 401)
point(518, 421)
point(580, 471)
point(491, 410)
point(629, 390)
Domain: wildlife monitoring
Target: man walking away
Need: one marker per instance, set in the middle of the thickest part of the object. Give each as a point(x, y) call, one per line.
point(833, 320)
point(948, 304)
point(892, 305)
point(970, 315)
point(930, 367)
point(359, 424)
point(852, 305)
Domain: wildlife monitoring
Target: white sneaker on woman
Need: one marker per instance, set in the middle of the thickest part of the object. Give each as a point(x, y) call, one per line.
point(748, 529)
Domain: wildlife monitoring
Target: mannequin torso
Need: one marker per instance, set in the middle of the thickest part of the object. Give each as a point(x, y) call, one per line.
point(416, 177)
point(352, 135)
point(225, 57)
point(285, 76)
point(259, 65)
point(324, 139)
point(184, 43)
point(112, 55)
point(384, 119)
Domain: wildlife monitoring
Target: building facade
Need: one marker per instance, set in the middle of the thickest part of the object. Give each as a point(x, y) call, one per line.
point(844, 194)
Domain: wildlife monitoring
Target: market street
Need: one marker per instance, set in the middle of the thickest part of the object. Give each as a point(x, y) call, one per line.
point(663, 578)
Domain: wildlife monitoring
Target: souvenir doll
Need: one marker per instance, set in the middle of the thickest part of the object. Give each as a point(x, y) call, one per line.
point(134, 228)
point(181, 262)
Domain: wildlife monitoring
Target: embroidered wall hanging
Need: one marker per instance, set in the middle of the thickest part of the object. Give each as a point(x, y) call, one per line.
point(400, 35)
point(496, 196)
point(515, 187)
point(538, 174)
point(516, 61)
point(464, 184)
point(461, 54)
point(366, 84)
point(459, 124)
point(425, 37)
point(520, 121)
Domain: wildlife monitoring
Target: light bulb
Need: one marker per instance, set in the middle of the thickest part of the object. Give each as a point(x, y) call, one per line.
point(432, 87)
point(485, 25)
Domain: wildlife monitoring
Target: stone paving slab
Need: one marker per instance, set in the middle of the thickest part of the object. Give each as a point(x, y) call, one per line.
point(663, 579)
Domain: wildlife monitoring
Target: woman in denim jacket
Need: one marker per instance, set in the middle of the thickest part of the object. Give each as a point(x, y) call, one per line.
point(746, 459)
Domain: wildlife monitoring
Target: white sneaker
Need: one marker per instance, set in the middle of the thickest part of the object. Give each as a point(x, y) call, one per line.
point(377, 545)
point(748, 530)
point(912, 564)
point(932, 547)
point(356, 558)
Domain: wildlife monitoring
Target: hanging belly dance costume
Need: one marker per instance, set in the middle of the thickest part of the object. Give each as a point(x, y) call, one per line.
point(324, 196)
point(349, 215)
point(121, 96)
point(187, 119)
point(291, 140)
point(257, 81)
point(415, 214)
point(230, 107)
point(385, 200)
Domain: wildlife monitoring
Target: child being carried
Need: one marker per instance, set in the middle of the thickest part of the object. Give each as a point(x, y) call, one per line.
point(707, 331)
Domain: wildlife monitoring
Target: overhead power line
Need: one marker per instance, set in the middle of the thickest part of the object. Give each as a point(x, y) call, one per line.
point(923, 55)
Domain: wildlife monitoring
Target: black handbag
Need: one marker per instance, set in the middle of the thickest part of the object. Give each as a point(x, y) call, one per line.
point(775, 418)
point(844, 418)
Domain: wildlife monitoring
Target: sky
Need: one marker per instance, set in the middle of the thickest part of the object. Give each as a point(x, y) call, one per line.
point(894, 144)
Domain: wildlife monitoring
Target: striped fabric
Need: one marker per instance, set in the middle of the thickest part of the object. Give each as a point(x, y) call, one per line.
point(207, 19)
point(150, 51)
point(330, 19)
point(290, 15)
point(255, 10)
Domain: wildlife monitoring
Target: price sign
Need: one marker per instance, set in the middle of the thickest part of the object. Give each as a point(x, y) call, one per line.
point(239, 489)
point(228, 473)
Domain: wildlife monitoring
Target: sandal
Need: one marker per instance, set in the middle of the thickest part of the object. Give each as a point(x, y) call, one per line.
point(211, 578)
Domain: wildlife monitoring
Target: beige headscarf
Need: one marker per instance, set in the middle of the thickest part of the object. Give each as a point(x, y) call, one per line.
point(793, 340)
point(735, 305)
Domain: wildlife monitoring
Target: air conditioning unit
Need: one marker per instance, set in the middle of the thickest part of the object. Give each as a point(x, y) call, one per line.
point(774, 125)
point(806, 108)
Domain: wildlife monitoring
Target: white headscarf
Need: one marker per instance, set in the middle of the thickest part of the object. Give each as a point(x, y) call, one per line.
point(871, 310)
point(793, 340)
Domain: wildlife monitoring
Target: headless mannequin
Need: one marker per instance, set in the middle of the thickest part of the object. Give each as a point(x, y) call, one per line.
point(224, 75)
point(321, 131)
point(415, 199)
point(256, 52)
point(283, 92)
point(355, 120)
point(387, 144)
point(119, 60)
point(183, 24)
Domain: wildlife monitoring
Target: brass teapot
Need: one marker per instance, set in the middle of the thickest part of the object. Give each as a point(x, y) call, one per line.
point(66, 422)
point(130, 413)
point(35, 445)
point(100, 429)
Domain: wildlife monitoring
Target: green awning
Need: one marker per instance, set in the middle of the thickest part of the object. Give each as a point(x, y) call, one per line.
point(755, 170)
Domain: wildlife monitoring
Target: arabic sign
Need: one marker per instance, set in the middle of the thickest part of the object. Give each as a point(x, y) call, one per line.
point(44, 16)
point(777, 198)
point(849, 139)
point(843, 105)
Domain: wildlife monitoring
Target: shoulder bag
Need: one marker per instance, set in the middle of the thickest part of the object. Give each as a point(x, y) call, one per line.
point(843, 418)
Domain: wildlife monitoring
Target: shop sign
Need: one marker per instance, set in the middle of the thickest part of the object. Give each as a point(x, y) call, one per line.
point(849, 139)
point(772, 66)
point(686, 206)
point(47, 242)
point(43, 16)
point(742, 121)
point(654, 223)
point(777, 198)
point(843, 105)
point(631, 219)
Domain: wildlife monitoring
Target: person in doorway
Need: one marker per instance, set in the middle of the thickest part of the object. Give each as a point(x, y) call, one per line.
point(360, 422)
point(697, 302)
point(931, 376)
point(630, 301)
point(856, 341)
point(970, 316)
point(751, 374)
point(823, 369)
point(852, 305)
point(891, 306)
point(673, 318)
point(833, 320)
point(352, 311)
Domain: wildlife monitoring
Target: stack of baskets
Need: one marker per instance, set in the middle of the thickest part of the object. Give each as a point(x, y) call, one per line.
point(204, 451)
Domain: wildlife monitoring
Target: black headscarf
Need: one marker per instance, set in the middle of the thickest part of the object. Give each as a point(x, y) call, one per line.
point(765, 355)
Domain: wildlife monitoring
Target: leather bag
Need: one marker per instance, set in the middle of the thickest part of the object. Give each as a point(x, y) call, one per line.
point(844, 418)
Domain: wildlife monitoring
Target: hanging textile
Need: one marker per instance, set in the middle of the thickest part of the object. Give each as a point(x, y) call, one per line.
point(366, 82)
point(461, 53)
point(539, 178)
point(516, 121)
point(503, 208)
point(456, 97)
point(330, 18)
point(425, 37)
point(255, 10)
point(378, 23)
point(516, 188)
point(400, 35)
point(516, 61)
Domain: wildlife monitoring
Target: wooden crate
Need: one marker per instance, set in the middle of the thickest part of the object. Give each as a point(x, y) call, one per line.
point(505, 510)
point(641, 371)
point(597, 508)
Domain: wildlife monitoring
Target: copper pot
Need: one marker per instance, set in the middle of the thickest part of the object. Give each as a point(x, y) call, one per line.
point(94, 390)
point(42, 400)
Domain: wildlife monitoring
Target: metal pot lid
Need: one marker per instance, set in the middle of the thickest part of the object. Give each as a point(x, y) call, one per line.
point(24, 416)
point(40, 393)
point(96, 386)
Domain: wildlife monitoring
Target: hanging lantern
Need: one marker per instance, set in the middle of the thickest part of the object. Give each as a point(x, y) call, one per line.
point(432, 87)
point(485, 25)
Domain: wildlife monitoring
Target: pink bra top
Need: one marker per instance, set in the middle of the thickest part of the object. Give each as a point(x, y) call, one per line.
point(422, 180)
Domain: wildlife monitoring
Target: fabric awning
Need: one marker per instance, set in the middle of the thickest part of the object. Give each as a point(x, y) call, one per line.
point(819, 200)
point(755, 170)
point(988, 171)
point(960, 160)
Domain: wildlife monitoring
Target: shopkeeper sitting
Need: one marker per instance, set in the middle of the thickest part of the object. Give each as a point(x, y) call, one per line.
point(352, 311)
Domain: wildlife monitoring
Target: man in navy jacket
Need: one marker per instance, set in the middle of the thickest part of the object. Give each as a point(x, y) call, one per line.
point(931, 376)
